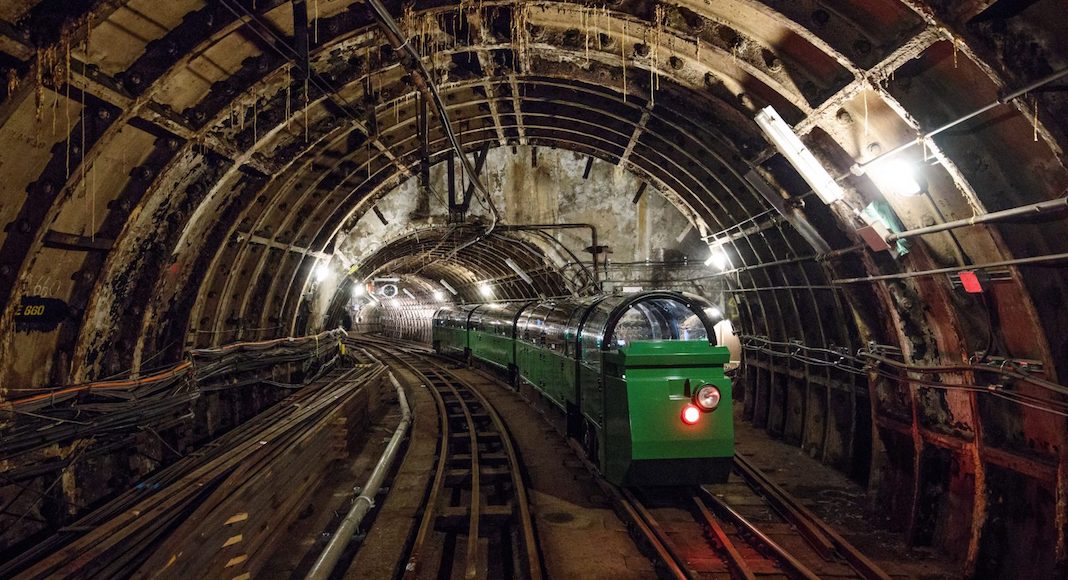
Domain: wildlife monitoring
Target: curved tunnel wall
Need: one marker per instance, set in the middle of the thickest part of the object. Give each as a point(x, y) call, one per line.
point(176, 129)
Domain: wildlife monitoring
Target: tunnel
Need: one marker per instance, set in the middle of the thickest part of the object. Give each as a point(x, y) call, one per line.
point(201, 198)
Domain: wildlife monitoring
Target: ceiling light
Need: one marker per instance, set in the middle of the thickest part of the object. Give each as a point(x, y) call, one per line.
point(718, 259)
point(515, 268)
point(486, 290)
point(408, 293)
point(448, 287)
point(791, 147)
point(896, 176)
point(358, 290)
point(322, 272)
point(714, 312)
point(439, 295)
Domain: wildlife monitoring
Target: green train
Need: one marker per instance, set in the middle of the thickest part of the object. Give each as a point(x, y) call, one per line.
point(638, 378)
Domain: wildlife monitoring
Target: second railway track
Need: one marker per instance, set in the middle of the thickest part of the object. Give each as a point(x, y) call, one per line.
point(476, 520)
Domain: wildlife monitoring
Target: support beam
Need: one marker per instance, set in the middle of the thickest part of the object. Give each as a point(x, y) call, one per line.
point(908, 50)
point(262, 241)
point(480, 162)
point(641, 191)
point(647, 112)
point(153, 117)
point(381, 217)
point(75, 242)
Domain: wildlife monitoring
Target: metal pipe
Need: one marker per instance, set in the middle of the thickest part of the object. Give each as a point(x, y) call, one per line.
point(1000, 101)
point(1030, 209)
point(564, 226)
point(324, 565)
point(955, 269)
point(424, 82)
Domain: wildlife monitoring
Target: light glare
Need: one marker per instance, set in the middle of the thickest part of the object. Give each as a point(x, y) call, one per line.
point(322, 272)
point(718, 259)
point(895, 176)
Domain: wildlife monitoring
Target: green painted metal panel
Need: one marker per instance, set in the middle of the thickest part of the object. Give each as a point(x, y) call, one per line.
point(645, 386)
point(492, 348)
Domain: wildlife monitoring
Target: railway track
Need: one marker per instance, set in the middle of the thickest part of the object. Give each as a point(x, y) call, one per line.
point(176, 522)
point(476, 520)
point(758, 532)
point(748, 528)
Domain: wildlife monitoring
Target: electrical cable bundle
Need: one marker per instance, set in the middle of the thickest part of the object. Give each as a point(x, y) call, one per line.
point(105, 409)
point(877, 358)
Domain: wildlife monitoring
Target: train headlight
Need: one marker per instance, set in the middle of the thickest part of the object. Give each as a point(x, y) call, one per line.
point(707, 398)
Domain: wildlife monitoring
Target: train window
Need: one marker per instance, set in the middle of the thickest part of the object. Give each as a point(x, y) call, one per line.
point(654, 318)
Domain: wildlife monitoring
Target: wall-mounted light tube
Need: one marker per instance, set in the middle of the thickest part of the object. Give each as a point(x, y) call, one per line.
point(448, 287)
point(408, 293)
point(791, 147)
point(515, 268)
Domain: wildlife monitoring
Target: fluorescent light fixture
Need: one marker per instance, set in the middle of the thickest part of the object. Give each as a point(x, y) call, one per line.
point(515, 268)
point(358, 290)
point(322, 272)
point(439, 295)
point(408, 293)
point(896, 176)
point(486, 290)
point(714, 312)
point(448, 287)
point(684, 233)
point(389, 279)
point(791, 147)
point(718, 259)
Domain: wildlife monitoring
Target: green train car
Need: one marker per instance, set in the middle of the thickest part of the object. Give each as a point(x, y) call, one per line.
point(638, 377)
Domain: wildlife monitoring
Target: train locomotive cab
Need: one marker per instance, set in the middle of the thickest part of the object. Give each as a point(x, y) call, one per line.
point(656, 406)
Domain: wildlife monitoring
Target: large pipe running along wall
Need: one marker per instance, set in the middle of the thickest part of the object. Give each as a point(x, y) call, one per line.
point(183, 135)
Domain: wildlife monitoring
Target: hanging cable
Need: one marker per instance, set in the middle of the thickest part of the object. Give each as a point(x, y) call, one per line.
point(425, 84)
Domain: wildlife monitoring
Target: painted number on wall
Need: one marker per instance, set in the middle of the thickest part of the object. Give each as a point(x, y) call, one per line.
point(37, 313)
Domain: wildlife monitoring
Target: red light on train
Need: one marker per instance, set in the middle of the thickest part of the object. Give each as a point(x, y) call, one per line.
point(690, 414)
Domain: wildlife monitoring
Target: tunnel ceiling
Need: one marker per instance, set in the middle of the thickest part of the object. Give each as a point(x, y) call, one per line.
point(173, 171)
point(444, 253)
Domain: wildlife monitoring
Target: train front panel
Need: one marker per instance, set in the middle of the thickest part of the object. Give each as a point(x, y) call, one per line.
point(667, 417)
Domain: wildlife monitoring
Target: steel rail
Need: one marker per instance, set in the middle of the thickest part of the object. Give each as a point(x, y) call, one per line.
point(807, 522)
point(743, 523)
point(629, 511)
point(411, 568)
point(416, 359)
point(733, 555)
point(117, 533)
point(677, 564)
